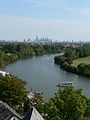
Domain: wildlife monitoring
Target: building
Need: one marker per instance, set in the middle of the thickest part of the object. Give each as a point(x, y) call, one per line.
point(42, 40)
point(33, 115)
point(7, 113)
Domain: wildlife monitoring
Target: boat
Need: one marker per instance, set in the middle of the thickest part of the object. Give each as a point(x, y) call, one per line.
point(65, 84)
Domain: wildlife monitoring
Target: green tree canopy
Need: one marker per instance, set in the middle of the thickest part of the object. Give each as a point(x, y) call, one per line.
point(70, 54)
point(67, 104)
point(12, 90)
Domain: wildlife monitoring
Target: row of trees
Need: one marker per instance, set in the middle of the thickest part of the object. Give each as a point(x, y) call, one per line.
point(6, 58)
point(80, 51)
point(30, 49)
point(12, 52)
point(70, 55)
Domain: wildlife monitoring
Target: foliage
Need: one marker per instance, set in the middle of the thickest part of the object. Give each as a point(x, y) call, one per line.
point(68, 58)
point(27, 105)
point(12, 52)
point(59, 59)
point(87, 112)
point(69, 67)
point(83, 51)
point(70, 54)
point(12, 90)
point(67, 104)
point(37, 101)
point(84, 69)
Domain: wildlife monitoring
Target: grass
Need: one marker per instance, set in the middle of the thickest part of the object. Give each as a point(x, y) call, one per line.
point(85, 60)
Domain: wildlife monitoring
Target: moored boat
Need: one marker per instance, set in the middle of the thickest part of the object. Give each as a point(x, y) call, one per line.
point(65, 84)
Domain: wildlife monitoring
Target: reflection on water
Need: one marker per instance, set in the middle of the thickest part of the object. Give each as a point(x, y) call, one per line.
point(43, 75)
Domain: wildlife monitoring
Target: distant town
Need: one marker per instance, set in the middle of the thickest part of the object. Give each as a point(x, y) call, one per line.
point(46, 40)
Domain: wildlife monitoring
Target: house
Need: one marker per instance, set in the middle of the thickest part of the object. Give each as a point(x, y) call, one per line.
point(7, 113)
point(33, 115)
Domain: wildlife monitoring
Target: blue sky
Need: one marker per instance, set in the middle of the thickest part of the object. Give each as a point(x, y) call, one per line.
point(56, 19)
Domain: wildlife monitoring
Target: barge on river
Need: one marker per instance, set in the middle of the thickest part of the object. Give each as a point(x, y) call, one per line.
point(65, 84)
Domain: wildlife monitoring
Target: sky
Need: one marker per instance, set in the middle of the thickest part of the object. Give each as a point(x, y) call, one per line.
point(60, 20)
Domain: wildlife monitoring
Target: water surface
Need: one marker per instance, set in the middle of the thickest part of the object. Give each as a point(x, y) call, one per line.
point(43, 75)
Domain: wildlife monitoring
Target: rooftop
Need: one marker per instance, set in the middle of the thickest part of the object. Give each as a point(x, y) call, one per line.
point(7, 113)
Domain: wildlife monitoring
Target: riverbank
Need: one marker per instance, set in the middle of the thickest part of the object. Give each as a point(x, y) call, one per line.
point(43, 75)
point(68, 64)
point(10, 53)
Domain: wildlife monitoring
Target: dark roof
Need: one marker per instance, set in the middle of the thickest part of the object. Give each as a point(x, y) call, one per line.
point(28, 115)
point(6, 112)
point(33, 115)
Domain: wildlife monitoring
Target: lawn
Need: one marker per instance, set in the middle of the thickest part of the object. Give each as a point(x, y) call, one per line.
point(85, 60)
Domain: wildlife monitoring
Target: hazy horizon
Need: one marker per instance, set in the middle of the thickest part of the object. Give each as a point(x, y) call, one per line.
point(56, 19)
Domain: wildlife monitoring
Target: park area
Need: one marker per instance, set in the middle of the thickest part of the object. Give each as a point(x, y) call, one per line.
point(85, 60)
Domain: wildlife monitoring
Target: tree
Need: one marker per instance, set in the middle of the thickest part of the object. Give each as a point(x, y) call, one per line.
point(70, 54)
point(59, 59)
point(12, 90)
point(27, 105)
point(87, 112)
point(84, 69)
point(67, 104)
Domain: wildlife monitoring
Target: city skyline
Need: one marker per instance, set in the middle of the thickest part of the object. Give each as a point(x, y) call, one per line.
point(58, 20)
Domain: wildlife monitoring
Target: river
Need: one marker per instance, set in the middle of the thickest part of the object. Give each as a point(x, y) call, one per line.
point(43, 75)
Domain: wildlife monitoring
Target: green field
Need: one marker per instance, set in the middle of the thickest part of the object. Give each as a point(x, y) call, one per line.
point(85, 60)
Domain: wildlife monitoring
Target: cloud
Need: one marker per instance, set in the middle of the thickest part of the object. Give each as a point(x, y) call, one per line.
point(81, 11)
point(61, 4)
point(46, 3)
